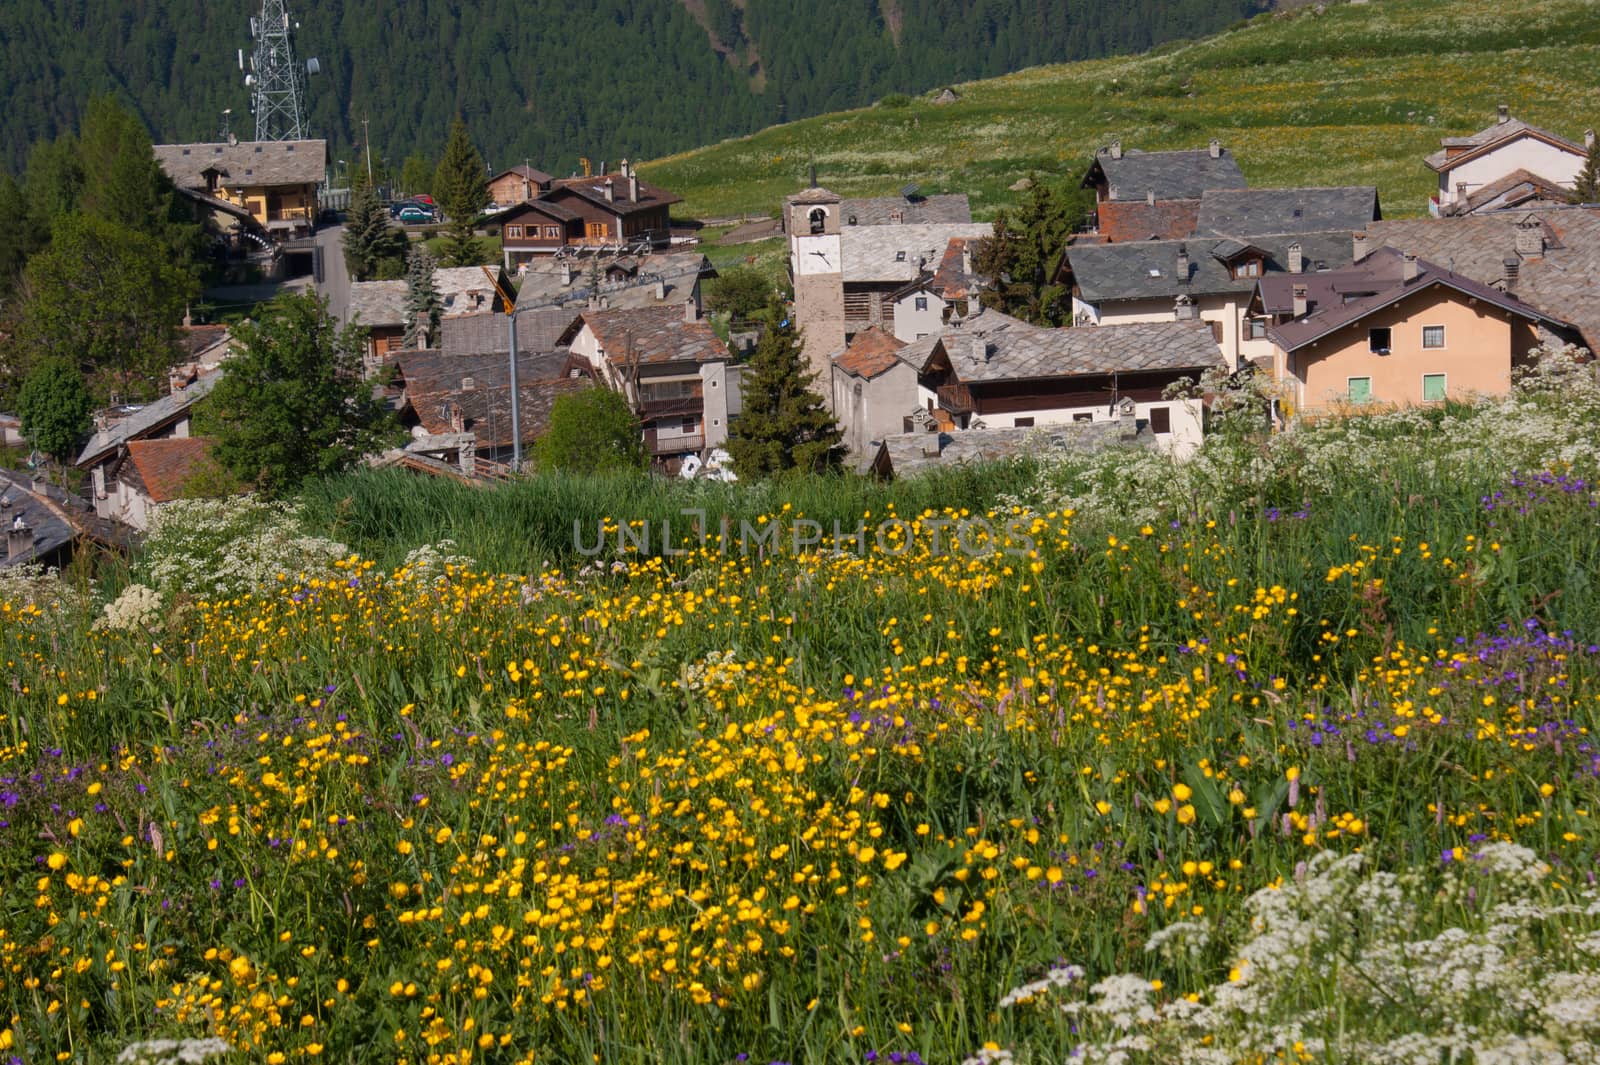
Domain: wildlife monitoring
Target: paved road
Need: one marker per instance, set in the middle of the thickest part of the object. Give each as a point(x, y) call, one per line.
point(335, 284)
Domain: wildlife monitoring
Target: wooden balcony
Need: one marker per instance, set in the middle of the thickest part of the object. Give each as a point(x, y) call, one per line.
point(957, 398)
point(672, 443)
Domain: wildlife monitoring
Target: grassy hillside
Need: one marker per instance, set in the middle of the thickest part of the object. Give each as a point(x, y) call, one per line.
point(1356, 94)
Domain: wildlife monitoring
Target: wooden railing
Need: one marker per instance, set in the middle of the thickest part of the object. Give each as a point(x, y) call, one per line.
point(957, 399)
point(672, 444)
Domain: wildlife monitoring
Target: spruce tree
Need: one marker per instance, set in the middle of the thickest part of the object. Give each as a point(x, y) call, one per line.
point(1586, 189)
point(785, 425)
point(461, 191)
point(1021, 256)
point(374, 250)
point(423, 305)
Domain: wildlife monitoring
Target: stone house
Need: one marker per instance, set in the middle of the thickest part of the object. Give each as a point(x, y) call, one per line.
point(273, 182)
point(677, 374)
point(1465, 165)
point(170, 417)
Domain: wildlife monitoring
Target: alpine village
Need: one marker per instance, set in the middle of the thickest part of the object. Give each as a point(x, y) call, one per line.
point(922, 532)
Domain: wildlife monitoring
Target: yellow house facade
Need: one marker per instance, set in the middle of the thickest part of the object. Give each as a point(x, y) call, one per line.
point(274, 182)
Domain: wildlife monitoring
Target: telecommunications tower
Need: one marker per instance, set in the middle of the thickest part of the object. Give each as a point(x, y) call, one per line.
point(277, 83)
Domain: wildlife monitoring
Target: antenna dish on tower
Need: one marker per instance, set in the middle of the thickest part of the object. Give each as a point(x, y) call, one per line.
point(278, 84)
point(313, 66)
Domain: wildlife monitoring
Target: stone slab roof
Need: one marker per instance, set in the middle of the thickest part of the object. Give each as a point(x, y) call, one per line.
point(1240, 212)
point(1488, 137)
point(651, 336)
point(1170, 175)
point(437, 387)
point(870, 353)
point(546, 279)
point(897, 254)
point(1149, 269)
point(486, 334)
point(1119, 221)
point(148, 418)
point(528, 173)
point(593, 190)
point(1561, 280)
point(51, 533)
point(909, 454)
point(381, 304)
point(944, 208)
point(991, 347)
point(245, 163)
point(467, 289)
point(1520, 187)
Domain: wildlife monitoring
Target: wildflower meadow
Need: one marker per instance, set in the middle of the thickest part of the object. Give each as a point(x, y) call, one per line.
point(1285, 754)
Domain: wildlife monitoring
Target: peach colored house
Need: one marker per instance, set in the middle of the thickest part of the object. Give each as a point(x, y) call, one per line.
point(1395, 329)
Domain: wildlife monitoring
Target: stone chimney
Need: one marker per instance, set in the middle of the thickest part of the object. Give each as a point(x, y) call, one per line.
point(567, 273)
point(1297, 258)
point(1513, 267)
point(1184, 308)
point(1216, 148)
point(1302, 300)
point(19, 539)
point(661, 291)
point(691, 311)
point(610, 190)
point(633, 189)
point(1408, 266)
point(1530, 238)
point(468, 384)
point(626, 170)
point(1502, 114)
point(1183, 262)
point(1588, 139)
point(1358, 246)
point(1116, 149)
point(966, 259)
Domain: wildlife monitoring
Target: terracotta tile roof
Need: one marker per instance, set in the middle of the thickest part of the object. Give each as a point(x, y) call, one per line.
point(652, 335)
point(1125, 220)
point(951, 281)
point(870, 353)
point(147, 419)
point(164, 466)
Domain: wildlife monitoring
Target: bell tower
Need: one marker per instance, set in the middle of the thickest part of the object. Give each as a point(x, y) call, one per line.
point(811, 219)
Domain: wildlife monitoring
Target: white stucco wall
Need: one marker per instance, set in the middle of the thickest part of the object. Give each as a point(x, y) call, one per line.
point(1187, 420)
point(910, 323)
point(1524, 153)
point(1226, 310)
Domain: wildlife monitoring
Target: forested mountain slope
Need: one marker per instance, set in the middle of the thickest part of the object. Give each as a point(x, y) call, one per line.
point(543, 80)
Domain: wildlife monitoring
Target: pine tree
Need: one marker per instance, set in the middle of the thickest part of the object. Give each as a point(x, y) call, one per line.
point(462, 192)
point(785, 425)
point(423, 305)
point(1022, 254)
point(373, 249)
point(1586, 189)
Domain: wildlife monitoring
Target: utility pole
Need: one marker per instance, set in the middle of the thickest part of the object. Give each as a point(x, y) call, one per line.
point(368, 138)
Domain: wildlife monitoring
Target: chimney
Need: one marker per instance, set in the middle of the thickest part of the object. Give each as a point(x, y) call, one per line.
point(1184, 308)
point(1183, 262)
point(567, 273)
point(661, 291)
point(691, 311)
point(611, 191)
point(19, 539)
point(1408, 266)
point(1513, 267)
point(813, 175)
point(1358, 246)
point(633, 189)
point(188, 320)
point(1116, 149)
point(1502, 115)
point(966, 259)
point(468, 384)
point(625, 169)
point(1216, 148)
point(1150, 197)
point(1297, 259)
point(1302, 300)
point(1588, 139)
point(1530, 238)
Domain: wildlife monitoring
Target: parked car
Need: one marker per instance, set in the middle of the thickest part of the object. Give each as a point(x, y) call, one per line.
point(415, 215)
point(400, 205)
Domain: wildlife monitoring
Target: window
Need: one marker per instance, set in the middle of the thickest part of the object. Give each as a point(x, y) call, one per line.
point(514, 232)
point(1160, 421)
point(1360, 389)
point(1433, 336)
point(1083, 417)
point(688, 424)
point(1248, 268)
point(1022, 423)
point(818, 219)
point(1433, 388)
point(1378, 341)
point(1257, 328)
point(552, 232)
point(922, 305)
point(899, 256)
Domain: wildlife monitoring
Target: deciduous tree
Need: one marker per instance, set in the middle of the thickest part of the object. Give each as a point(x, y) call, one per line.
point(54, 407)
point(785, 425)
point(591, 432)
point(292, 404)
